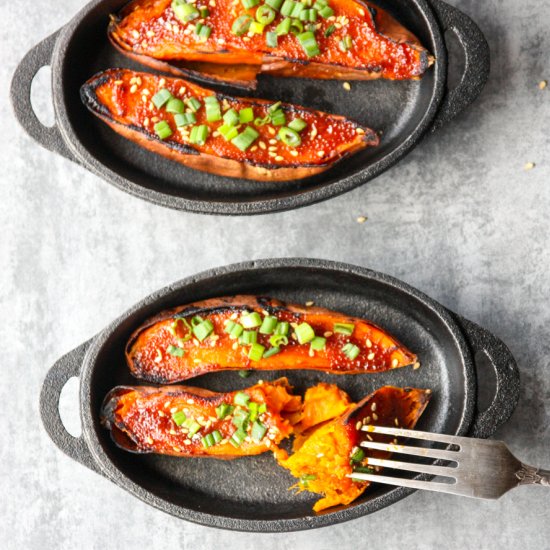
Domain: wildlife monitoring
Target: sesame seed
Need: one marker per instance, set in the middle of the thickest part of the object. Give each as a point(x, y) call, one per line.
point(273, 142)
point(272, 154)
point(262, 145)
point(150, 440)
point(235, 345)
point(272, 148)
point(166, 404)
point(373, 407)
point(146, 121)
point(320, 154)
point(369, 437)
point(135, 34)
point(177, 449)
point(118, 82)
point(416, 366)
point(187, 441)
point(359, 131)
point(161, 413)
point(366, 420)
point(361, 11)
point(253, 148)
point(394, 363)
point(370, 356)
point(358, 425)
point(190, 402)
point(172, 432)
point(529, 166)
point(246, 38)
point(150, 34)
point(543, 84)
point(133, 89)
point(294, 153)
point(346, 86)
point(361, 219)
point(271, 130)
point(155, 119)
point(310, 303)
point(173, 410)
point(320, 455)
point(374, 417)
point(327, 334)
point(162, 82)
point(396, 421)
point(368, 343)
point(279, 158)
point(144, 44)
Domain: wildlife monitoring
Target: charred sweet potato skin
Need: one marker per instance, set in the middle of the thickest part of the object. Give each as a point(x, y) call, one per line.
point(149, 31)
point(148, 359)
point(140, 419)
point(323, 463)
point(122, 99)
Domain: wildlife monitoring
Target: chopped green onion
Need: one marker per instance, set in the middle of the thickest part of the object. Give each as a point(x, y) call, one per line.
point(236, 331)
point(245, 373)
point(205, 12)
point(304, 333)
point(245, 139)
point(258, 431)
point(163, 130)
point(228, 326)
point(199, 134)
point(278, 118)
point(268, 325)
point(309, 477)
point(184, 119)
point(275, 4)
point(223, 410)
point(217, 436)
point(256, 352)
point(283, 328)
point(329, 30)
point(193, 103)
point(179, 418)
point(265, 14)
point(361, 470)
point(278, 340)
point(290, 137)
point(271, 351)
point(196, 320)
point(297, 124)
point(252, 320)
point(175, 105)
point(213, 109)
point(198, 28)
point(240, 419)
point(247, 4)
point(228, 132)
point(231, 117)
point(262, 408)
point(326, 12)
point(185, 12)
point(253, 408)
point(296, 26)
point(246, 115)
point(274, 107)
point(345, 43)
point(256, 28)
point(271, 41)
point(309, 43)
point(192, 425)
point(320, 4)
point(297, 9)
point(205, 32)
point(308, 15)
point(283, 27)
point(261, 121)
point(208, 440)
point(241, 399)
point(287, 7)
point(237, 438)
point(175, 351)
point(358, 455)
point(203, 330)
point(344, 328)
point(351, 351)
point(248, 337)
point(241, 25)
point(318, 343)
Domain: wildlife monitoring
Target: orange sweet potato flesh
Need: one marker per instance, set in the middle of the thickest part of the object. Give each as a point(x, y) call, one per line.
point(140, 419)
point(122, 99)
point(149, 32)
point(148, 355)
point(322, 460)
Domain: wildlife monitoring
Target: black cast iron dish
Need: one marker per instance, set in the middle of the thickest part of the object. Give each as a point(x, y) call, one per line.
point(403, 111)
point(251, 494)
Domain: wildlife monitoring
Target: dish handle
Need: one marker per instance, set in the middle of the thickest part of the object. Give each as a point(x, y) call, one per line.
point(65, 368)
point(477, 60)
point(506, 395)
point(20, 94)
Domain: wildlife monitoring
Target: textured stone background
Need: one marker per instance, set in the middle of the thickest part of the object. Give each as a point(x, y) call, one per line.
point(459, 218)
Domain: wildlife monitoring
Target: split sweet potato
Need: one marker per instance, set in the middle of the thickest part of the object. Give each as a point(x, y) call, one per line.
point(217, 133)
point(352, 40)
point(259, 333)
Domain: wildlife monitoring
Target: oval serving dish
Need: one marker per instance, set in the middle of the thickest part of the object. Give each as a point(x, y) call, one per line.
point(251, 494)
point(402, 112)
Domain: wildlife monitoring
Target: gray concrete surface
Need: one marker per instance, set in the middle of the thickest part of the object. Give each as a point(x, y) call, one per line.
point(459, 218)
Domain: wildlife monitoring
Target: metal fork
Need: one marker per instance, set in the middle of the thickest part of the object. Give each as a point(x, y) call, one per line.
point(483, 468)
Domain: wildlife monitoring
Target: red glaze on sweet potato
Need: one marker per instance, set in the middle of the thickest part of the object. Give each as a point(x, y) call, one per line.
point(150, 32)
point(122, 99)
point(153, 351)
point(159, 420)
point(323, 461)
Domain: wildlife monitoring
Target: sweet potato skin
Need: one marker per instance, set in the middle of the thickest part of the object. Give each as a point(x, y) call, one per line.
point(140, 419)
point(148, 31)
point(322, 462)
point(114, 98)
point(148, 360)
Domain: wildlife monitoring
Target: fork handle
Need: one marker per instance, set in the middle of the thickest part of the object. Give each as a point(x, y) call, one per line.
point(529, 475)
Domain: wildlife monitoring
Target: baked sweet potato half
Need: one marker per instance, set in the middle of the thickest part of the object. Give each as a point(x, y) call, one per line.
point(326, 457)
point(220, 134)
point(186, 421)
point(260, 333)
point(233, 41)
